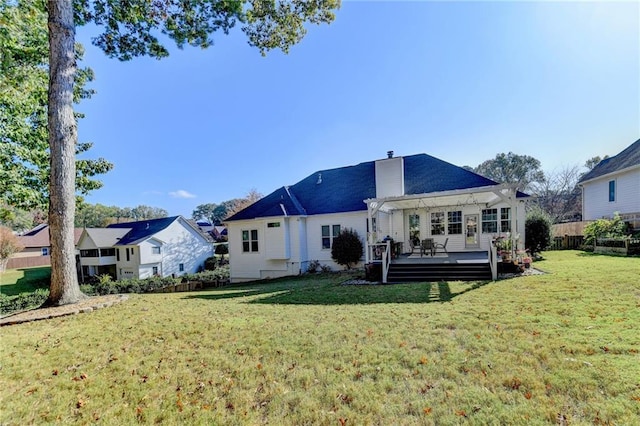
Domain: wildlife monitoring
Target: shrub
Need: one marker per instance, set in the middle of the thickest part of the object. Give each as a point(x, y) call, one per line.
point(222, 249)
point(605, 228)
point(537, 231)
point(22, 301)
point(313, 266)
point(347, 248)
point(210, 263)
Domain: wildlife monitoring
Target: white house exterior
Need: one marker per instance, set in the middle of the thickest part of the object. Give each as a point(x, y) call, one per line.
point(157, 247)
point(403, 198)
point(614, 186)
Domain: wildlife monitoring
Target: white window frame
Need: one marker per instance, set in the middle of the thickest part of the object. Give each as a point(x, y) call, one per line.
point(329, 236)
point(250, 244)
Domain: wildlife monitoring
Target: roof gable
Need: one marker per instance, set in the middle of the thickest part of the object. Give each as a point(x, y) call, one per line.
point(629, 157)
point(105, 237)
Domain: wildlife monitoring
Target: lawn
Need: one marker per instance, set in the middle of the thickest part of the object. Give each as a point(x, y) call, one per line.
point(562, 347)
point(24, 280)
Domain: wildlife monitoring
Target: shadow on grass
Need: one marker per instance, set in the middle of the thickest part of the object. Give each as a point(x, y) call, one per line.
point(31, 280)
point(307, 292)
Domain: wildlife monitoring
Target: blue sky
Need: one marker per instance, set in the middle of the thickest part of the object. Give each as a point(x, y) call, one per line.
point(462, 81)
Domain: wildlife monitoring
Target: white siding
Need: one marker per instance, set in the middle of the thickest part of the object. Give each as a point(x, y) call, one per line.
point(596, 202)
point(389, 177)
point(182, 245)
point(356, 221)
point(276, 239)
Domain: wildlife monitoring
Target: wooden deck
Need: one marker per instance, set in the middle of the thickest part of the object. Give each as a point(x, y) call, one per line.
point(444, 258)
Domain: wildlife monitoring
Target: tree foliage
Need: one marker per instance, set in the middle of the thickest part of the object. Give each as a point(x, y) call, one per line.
point(537, 231)
point(24, 152)
point(99, 215)
point(9, 244)
point(217, 213)
point(594, 161)
point(347, 248)
point(519, 170)
point(559, 194)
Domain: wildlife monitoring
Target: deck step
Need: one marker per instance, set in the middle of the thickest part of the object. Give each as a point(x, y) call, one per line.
point(438, 272)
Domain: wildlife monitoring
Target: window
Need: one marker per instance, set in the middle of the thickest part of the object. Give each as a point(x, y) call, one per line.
point(505, 219)
point(107, 252)
point(155, 250)
point(181, 267)
point(250, 241)
point(455, 222)
point(118, 255)
point(437, 223)
point(329, 232)
point(154, 270)
point(414, 228)
point(89, 253)
point(273, 225)
point(45, 251)
point(612, 191)
point(489, 221)
point(127, 250)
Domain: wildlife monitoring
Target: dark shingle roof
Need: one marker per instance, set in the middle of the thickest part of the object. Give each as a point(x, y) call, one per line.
point(143, 229)
point(627, 158)
point(344, 189)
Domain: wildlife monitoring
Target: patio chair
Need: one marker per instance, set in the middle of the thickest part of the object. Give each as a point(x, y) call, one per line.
point(427, 246)
point(414, 245)
point(439, 246)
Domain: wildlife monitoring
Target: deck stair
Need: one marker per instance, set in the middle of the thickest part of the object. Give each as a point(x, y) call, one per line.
point(416, 272)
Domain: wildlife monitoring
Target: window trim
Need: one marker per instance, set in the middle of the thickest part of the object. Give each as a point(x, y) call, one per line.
point(250, 244)
point(613, 190)
point(438, 226)
point(451, 222)
point(489, 217)
point(330, 235)
point(44, 251)
point(504, 220)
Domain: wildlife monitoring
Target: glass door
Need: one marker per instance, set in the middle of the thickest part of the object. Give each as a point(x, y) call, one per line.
point(471, 231)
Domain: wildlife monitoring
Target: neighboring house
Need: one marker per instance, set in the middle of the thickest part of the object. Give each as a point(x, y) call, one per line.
point(219, 233)
point(614, 186)
point(37, 248)
point(405, 198)
point(162, 247)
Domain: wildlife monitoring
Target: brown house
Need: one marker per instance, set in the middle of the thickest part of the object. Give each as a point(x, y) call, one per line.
point(37, 248)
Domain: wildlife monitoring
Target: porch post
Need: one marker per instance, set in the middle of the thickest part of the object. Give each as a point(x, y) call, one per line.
point(369, 233)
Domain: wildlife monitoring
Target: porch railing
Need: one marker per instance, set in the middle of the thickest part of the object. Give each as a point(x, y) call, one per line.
point(493, 261)
point(381, 253)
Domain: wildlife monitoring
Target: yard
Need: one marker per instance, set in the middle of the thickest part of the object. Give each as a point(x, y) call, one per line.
point(562, 347)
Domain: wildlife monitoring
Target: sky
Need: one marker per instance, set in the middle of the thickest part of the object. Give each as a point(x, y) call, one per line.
point(461, 81)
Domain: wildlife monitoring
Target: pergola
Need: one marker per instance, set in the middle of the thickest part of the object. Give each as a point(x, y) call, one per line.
point(484, 197)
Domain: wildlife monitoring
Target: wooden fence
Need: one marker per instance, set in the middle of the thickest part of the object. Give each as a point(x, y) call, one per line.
point(568, 242)
point(621, 246)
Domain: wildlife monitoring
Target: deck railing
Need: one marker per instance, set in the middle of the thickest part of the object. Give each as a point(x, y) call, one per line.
point(493, 261)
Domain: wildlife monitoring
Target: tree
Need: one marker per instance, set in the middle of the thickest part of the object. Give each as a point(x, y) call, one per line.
point(24, 157)
point(594, 161)
point(537, 231)
point(9, 244)
point(347, 248)
point(217, 213)
point(559, 195)
point(519, 170)
point(130, 29)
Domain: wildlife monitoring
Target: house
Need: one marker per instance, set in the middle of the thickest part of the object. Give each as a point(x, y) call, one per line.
point(162, 247)
point(403, 198)
point(613, 185)
point(37, 248)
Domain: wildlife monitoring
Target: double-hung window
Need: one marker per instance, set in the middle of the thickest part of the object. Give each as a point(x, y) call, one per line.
point(250, 241)
point(505, 219)
point(437, 223)
point(329, 232)
point(454, 226)
point(489, 221)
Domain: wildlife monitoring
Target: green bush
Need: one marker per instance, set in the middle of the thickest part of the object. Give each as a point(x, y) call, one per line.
point(537, 231)
point(347, 248)
point(606, 228)
point(22, 301)
point(210, 263)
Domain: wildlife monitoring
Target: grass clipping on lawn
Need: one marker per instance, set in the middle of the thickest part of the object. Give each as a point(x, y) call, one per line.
point(555, 348)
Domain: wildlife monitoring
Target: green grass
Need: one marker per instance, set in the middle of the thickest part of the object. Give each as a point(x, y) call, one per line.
point(24, 280)
point(531, 350)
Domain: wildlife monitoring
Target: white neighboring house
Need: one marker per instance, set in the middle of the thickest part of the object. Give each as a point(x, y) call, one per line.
point(614, 186)
point(406, 198)
point(162, 247)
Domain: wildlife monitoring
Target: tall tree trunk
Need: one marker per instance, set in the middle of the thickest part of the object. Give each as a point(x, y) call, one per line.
point(63, 136)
